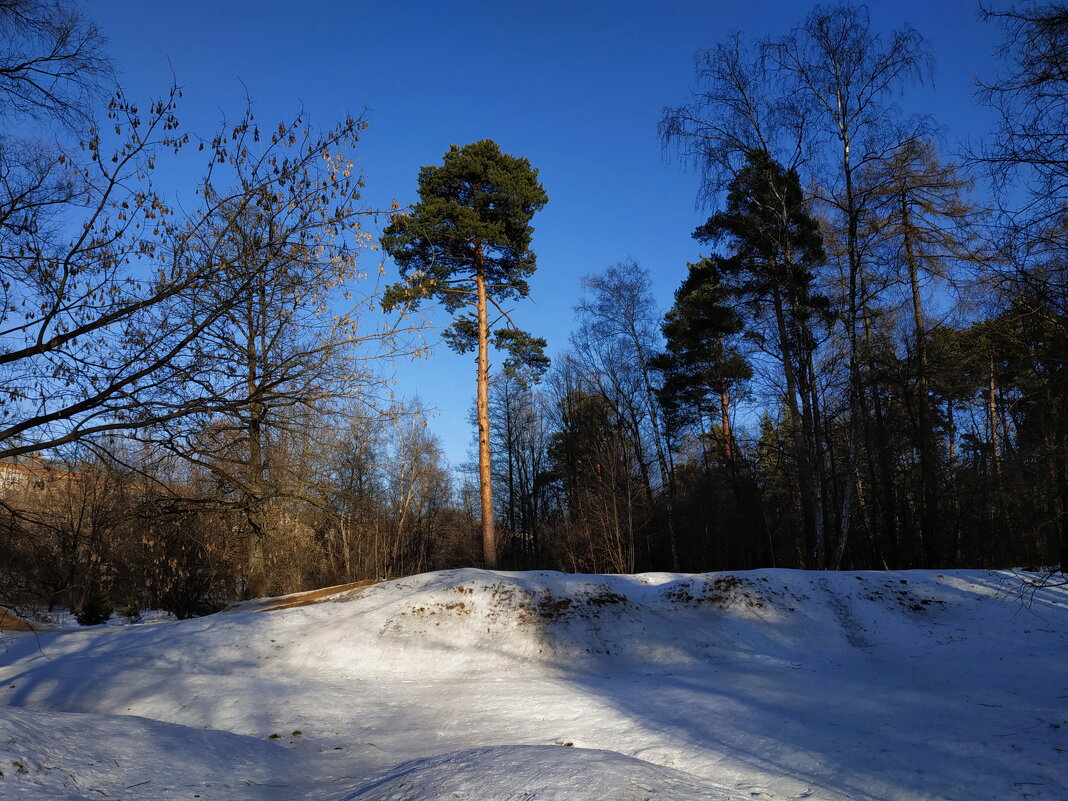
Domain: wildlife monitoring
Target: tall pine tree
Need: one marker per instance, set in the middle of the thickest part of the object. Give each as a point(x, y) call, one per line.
point(466, 244)
point(773, 247)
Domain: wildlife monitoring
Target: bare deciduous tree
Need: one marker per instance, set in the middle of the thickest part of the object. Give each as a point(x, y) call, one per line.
point(846, 73)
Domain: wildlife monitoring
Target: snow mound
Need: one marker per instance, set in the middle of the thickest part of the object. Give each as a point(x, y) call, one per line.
point(542, 772)
point(475, 621)
point(843, 686)
point(75, 756)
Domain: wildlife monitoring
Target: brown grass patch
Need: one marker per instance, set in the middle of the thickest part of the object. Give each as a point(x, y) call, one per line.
point(9, 621)
point(312, 596)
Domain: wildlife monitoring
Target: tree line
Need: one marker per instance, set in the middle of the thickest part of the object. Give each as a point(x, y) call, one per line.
point(866, 367)
point(862, 368)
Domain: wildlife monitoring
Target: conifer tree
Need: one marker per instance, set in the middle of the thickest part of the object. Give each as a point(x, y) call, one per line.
point(466, 244)
point(701, 360)
point(774, 246)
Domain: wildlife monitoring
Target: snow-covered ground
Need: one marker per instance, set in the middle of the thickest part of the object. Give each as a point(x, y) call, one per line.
point(548, 687)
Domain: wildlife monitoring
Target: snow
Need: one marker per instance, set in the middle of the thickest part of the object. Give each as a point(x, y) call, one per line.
point(63, 755)
point(542, 686)
point(533, 771)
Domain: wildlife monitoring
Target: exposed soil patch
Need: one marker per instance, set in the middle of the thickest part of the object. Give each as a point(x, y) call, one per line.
point(900, 597)
point(551, 608)
point(429, 610)
point(584, 604)
point(505, 604)
point(723, 591)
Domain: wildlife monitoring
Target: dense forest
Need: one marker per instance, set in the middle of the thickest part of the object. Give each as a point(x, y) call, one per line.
point(863, 368)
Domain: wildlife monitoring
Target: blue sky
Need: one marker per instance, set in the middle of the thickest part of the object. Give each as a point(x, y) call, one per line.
point(575, 87)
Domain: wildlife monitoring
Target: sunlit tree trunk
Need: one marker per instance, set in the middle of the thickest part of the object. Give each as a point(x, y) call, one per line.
point(485, 471)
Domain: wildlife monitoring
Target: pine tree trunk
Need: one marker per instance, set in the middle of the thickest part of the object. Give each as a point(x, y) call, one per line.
point(728, 435)
point(485, 477)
